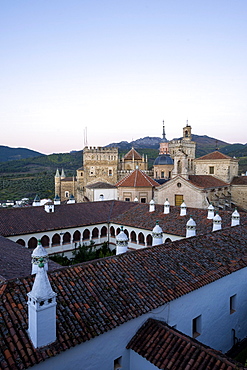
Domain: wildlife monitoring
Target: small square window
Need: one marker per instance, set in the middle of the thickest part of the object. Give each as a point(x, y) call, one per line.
point(196, 326)
point(143, 200)
point(127, 199)
point(232, 304)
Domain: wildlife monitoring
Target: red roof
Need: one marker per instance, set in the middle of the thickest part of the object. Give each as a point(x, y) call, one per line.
point(214, 155)
point(206, 181)
point(167, 348)
point(239, 180)
point(133, 153)
point(95, 297)
point(137, 178)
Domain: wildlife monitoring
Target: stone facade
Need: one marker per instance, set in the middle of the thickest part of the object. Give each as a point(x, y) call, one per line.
point(217, 164)
point(183, 153)
point(239, 191)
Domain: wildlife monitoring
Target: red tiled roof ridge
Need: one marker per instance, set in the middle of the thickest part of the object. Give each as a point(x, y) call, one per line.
point(137, 178)
point(158, 354)
point(132, 152)
point(206, 181)
point(214, 155)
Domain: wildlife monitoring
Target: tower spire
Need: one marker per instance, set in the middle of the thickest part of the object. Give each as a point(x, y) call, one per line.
point(164, 134)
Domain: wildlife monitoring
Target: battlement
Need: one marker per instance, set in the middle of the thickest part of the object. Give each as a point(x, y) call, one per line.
point(100, 149)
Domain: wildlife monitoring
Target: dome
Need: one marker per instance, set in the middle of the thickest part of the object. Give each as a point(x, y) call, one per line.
point(163, 159)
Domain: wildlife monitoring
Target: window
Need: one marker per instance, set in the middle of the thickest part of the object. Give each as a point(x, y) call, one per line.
point(110, 173)
point(162, 174)
point(211, 170)
point(117, 363)
point(232, 304)
point(127, 199)
point(143, 200)
point(178, 200)
point(196, 326)
point(67, 194)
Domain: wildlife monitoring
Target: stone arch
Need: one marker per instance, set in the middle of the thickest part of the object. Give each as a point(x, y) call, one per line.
point(133, 237)
point(149, 240)
point(32, 243)
point(76, 236)
point(103, 231)
point(112, 232)
point(66, 238)
point(21, 242)
point(45, 241)
point(86, 234)
point(55, 240)
point(95, 233)
point(141, 239)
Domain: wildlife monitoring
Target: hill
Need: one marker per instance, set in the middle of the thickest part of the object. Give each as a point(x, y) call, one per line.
point(35, 174)
point(10, 154)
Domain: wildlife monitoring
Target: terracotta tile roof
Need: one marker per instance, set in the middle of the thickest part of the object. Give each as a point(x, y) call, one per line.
point(15, 221)
point(20, 221)
point(206, 181)
point(101, 185)
point(95, 297)
point(172, 223)
point(15, 260)
point(137, 178)
point(214, 155)
point(240, 180)
point(132, 153)
point(167, 348)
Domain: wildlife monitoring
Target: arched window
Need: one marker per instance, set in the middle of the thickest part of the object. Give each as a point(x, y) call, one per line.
point(149, 239)
point(133, 237)
point(66, 194)
point(32, 243)
point(126, 232)
point(66, 238)
point(76, 236)
point(118, 230)
point(21, 242)
point(112, 232)
point(45, 241)
point(167, 240)
point(179, 166)
point(55, 240)
point(103, 231)
point(86, 234)
point(95, 233)
point(141, 238)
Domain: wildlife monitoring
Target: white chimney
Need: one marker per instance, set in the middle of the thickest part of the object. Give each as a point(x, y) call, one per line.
point(57, 200)
point(235, 218)
point(210, 212)
point(183, 209)
point(136, 199)
point(41, 310)
point(39, 252)
point(166, 207)
point(36, 201)
point(49, 207)
point(71, 199)
point(217, 222)
point(151, 206)
point(157, 234)
point(190, 228)
point(121, 242)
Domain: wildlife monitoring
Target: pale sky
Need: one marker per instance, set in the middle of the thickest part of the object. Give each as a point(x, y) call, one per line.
point(119, 68)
